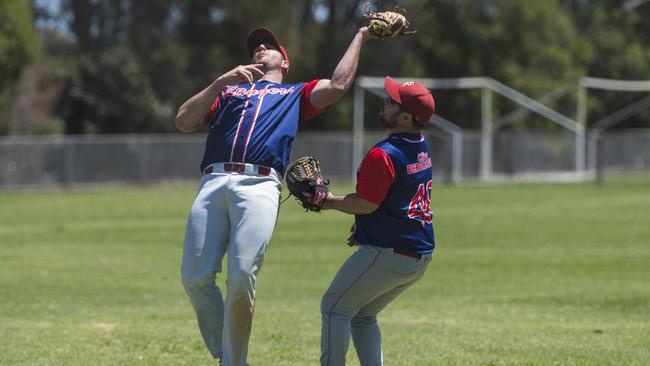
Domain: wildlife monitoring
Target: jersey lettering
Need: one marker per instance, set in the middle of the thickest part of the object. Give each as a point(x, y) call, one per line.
point(424, 162)
point(240, 92)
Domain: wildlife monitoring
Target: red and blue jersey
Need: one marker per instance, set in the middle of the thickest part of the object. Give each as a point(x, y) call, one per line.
point(396, 175)
point(256, 123)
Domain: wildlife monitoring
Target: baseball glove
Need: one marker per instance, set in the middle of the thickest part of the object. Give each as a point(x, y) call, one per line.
point(306, 183)
point(388, 24)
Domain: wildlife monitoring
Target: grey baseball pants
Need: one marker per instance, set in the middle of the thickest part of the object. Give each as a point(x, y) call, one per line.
point(366, 283)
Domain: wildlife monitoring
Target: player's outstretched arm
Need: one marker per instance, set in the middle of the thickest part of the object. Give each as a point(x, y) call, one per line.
point(192, 113)
point(350, 204)
point(327, 92)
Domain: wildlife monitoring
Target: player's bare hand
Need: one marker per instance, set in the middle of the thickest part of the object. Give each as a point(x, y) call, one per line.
point(324, 206)
point(244, 73)
point(365, 33)
point(351, 240)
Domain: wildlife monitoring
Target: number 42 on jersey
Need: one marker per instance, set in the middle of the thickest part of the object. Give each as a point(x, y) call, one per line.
point(420, 206)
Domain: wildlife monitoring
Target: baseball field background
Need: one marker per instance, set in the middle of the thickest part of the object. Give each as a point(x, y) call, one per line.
point(528, 274)
point(523, 275)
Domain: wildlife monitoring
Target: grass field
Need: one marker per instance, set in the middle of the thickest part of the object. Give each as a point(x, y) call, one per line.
point(548, 274)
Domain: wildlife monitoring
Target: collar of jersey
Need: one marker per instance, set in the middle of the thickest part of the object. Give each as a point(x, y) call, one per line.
point(267, 81)
point(410, 137)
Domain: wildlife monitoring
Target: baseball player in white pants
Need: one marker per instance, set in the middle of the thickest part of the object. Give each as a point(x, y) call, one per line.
point(253, 118)
point(392, 229)
point(251, 201)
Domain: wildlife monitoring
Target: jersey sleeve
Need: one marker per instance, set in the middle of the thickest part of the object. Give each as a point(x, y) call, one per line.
point(308, 110)
point(213, 110)
point(376, 175)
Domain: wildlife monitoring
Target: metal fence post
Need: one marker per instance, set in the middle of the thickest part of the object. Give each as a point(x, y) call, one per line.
point(486, 134)
point(68, 161)
point(581, 131)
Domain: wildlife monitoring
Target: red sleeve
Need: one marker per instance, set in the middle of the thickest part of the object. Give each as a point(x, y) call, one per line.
point(213, 109)
point(376, 175)
point(307, 110)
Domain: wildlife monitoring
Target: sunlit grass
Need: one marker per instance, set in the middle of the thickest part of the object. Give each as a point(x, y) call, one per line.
point(548, 274)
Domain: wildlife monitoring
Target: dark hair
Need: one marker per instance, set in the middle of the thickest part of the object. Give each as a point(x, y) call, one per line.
point(417, 125)
point(413, 121)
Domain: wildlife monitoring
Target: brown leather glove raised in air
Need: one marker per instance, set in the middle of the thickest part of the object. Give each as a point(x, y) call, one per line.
point(388, 24)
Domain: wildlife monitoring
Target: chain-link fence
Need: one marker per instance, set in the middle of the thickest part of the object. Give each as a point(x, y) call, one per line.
point(622, 151)
point(98, 159)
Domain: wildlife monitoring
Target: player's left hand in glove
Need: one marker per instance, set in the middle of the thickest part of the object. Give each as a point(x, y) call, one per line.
point(388, 24)
point(305, 181)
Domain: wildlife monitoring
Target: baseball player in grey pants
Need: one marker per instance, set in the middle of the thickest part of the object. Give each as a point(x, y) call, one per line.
point(392, 228)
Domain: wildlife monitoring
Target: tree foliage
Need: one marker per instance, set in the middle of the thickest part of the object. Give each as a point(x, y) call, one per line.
point(130, 64)
point(18, 47)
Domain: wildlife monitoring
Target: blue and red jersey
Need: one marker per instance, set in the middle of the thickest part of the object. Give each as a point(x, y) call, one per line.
point(256, 123)
point(396, 175)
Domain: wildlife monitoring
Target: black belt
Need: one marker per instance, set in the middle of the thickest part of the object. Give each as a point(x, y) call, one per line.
point(407, 253)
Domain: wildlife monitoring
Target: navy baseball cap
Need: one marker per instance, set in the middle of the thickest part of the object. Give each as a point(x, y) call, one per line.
point(263, 35)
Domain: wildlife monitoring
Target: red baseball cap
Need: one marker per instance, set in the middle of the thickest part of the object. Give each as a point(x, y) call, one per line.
point(263, 35)
point(412, 97)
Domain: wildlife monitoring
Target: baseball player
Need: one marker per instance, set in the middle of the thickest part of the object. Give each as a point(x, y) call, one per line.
point(392, 228)
point(253, 118)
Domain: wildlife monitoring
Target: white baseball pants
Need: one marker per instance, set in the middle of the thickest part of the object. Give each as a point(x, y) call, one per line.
point(233, 213)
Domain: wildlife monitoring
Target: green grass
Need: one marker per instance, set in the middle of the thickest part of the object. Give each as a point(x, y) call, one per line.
point(555, 274)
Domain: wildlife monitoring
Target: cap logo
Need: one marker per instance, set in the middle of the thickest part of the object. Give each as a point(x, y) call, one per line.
point(408, 83)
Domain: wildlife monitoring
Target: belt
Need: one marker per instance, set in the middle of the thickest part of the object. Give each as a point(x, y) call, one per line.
point(237, 168)
point(407, 253)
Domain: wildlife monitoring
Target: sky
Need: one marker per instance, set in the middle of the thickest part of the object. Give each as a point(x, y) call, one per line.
point(52, 7)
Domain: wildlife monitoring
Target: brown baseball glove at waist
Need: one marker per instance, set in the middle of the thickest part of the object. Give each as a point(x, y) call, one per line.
point(306, 183)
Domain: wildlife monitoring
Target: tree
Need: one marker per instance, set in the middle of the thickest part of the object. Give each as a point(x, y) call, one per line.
point(532, 46)
point(19, 45)
point(619, 42)
point(130, 64)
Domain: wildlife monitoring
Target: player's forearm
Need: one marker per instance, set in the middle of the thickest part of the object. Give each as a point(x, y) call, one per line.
point(350, 204)
point(191, 114)
point(343, 75)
